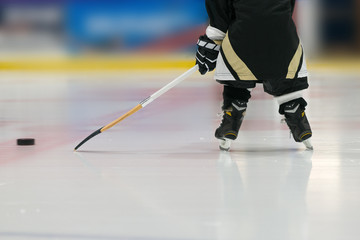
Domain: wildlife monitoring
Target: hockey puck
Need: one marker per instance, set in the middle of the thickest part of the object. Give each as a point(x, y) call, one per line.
point(25, 141)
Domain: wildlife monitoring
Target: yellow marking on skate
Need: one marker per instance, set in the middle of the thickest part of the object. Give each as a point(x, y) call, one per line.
point(229, 113)
point(303, 114)
point(231, 134)
point(305, 135)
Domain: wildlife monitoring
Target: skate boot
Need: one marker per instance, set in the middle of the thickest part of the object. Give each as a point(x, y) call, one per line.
point(298, 123)
point(230, 125)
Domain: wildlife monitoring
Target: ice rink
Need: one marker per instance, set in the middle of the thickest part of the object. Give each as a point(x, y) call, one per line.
point(159, 174)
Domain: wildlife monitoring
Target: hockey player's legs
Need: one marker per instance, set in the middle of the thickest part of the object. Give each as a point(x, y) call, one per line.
point(289, 95)
point(234, 108)
point(292, 106)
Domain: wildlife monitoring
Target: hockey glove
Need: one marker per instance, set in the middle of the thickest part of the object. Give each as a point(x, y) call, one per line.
point(206, 54)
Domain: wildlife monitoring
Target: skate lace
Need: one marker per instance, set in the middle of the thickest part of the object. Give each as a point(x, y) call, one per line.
point(222, 116)
point(282, 121)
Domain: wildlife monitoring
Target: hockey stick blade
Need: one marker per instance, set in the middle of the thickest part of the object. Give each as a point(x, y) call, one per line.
point(88, 138)
point(141, 105)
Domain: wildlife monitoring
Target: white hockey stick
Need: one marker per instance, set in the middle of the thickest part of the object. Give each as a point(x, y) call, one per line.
point(142, 104)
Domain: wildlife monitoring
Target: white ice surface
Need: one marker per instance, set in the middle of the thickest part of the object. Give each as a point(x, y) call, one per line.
point(159, 175)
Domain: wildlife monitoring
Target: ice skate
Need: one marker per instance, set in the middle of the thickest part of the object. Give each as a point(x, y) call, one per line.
point(230, 125)
point(298, 123)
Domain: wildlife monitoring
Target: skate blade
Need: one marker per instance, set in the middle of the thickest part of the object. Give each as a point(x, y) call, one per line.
point(308, 144)
point(225, 144)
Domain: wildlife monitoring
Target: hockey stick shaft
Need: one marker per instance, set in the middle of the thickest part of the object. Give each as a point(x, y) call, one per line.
point(142, 104)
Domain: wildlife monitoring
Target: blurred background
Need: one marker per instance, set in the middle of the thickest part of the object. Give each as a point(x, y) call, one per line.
point(79, 34)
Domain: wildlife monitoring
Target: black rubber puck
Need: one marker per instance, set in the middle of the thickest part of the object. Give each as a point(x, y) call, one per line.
point(25, 141)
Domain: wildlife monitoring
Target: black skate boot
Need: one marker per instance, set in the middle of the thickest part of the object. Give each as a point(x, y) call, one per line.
point(297, 121)
point(230, 125)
